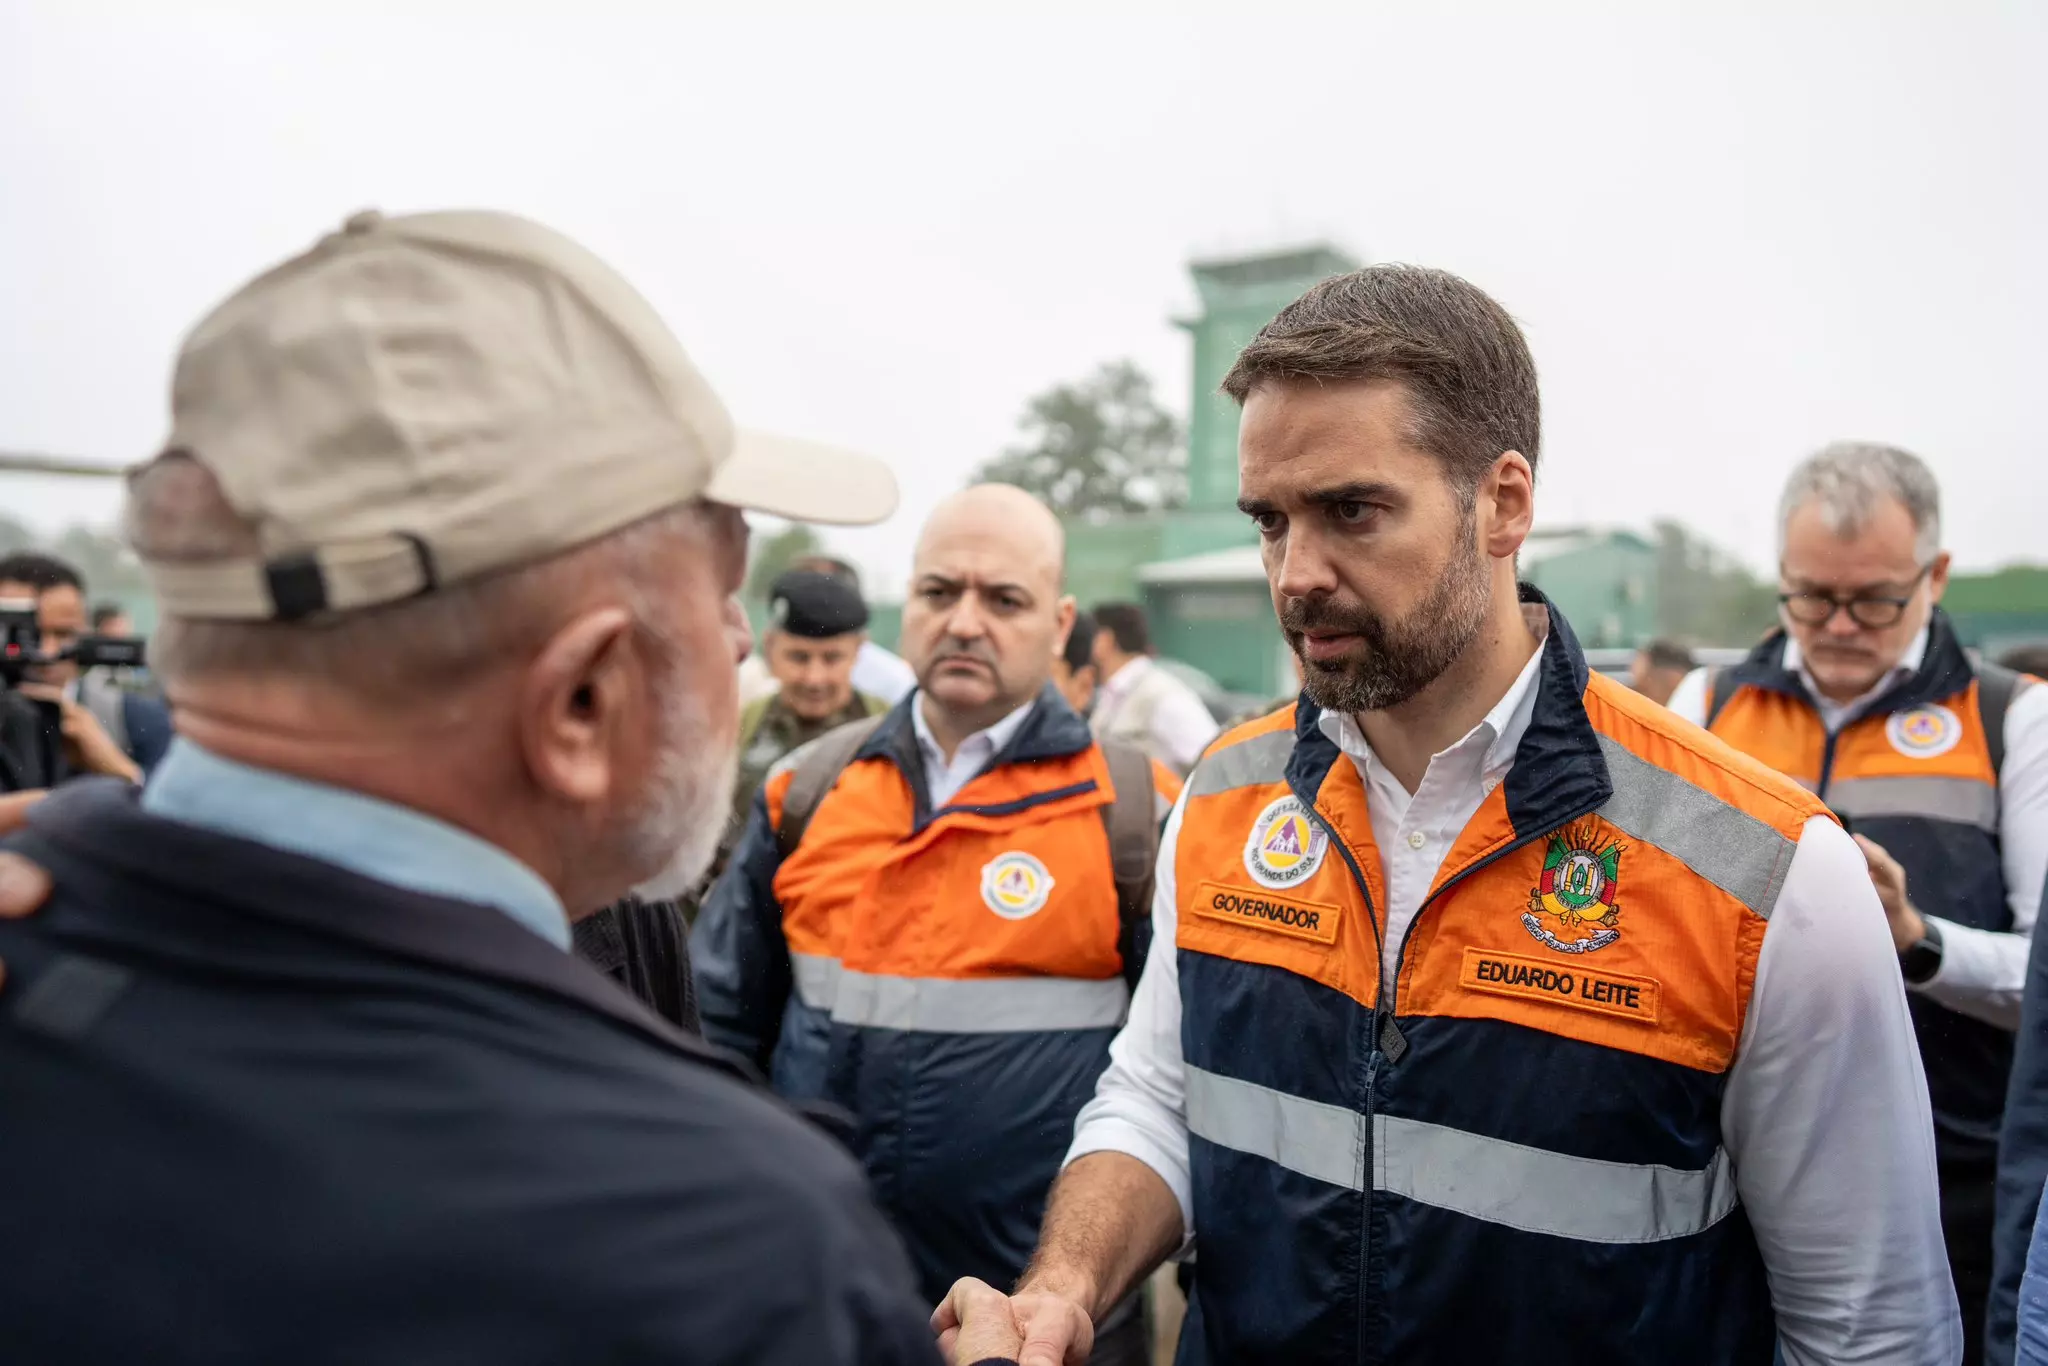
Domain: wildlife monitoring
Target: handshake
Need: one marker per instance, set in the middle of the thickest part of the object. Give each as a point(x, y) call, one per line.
point(979, 1325)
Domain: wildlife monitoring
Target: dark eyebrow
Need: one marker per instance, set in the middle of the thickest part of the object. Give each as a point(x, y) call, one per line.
point(1361, 491)
point(931, 580)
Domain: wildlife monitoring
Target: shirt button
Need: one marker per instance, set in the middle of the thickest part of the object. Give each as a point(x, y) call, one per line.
point(1417, 840)
point(1489, 785)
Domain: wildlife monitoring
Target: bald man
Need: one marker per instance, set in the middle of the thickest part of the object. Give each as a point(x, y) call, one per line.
point(923, 922)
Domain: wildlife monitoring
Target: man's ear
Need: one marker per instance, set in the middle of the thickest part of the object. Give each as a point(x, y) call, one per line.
point(574, 705)
point(1937, 578)
point(1063, 613)
point(1508, 496)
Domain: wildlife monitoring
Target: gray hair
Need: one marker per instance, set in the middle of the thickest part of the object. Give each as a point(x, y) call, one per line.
point(177, 512)
point(1849, 480)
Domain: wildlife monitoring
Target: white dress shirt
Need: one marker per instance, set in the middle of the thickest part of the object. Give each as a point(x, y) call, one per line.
point(882, 675)
point(1983, 973)
point(1180, 726)
point(1825, 1115)
point(943, 777)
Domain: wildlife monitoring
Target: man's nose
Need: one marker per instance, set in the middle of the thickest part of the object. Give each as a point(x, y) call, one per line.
point(965, 621)
point(1304, 570)
point(1840, 623)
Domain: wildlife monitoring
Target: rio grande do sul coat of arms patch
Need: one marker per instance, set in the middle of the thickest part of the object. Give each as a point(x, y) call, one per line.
point(1580, 878)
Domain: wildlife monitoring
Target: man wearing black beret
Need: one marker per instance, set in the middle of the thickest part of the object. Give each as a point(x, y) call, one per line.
point(816, 623)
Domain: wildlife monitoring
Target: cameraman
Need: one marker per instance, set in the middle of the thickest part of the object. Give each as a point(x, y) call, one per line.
point(82, 743)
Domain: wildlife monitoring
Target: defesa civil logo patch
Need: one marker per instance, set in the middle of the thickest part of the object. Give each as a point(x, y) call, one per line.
point(1924, 732)
point(1286, 845)
point(1015, 885)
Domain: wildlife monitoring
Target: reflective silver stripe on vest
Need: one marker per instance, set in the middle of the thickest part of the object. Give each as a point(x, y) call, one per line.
point(1483, 1178)
point(1967, 801)
point(816, 975)
point(1302, 1135)
point(1250, 763)
point(1723, 844)
point(983, 1005)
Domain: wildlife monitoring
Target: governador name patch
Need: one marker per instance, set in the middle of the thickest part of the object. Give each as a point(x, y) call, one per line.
point(1261, 910)
point(1569, 984)
point(1286, 845)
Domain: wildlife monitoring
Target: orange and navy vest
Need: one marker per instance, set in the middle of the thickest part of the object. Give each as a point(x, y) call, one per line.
point(1913, 771)
point(950, 979)
point(1514, 1154)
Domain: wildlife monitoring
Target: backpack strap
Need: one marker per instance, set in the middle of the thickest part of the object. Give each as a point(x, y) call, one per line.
point(1996, 687)
point(818, 766)
point(1132, 824)
point(1718, 694)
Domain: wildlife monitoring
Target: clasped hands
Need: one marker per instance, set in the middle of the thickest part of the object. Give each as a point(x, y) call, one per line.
point(978, 1323)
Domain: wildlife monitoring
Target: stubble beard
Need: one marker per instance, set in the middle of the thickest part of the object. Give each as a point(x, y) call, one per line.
point(1397, 659)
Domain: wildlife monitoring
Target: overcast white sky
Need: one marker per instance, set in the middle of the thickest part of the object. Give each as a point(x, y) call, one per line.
point(1733, 232)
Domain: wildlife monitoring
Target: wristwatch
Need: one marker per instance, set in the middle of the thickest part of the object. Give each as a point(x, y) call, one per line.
point(1922, 959)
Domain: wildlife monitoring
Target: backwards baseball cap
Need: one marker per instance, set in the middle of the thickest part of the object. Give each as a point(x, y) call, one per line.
point(418, 401)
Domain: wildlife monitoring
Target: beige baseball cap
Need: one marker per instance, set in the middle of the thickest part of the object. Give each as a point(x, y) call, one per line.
point(422, 400)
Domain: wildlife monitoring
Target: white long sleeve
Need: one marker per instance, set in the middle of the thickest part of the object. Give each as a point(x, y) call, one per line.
point(1826, 1118)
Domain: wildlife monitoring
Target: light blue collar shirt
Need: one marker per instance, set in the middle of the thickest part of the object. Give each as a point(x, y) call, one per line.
point(378, 839)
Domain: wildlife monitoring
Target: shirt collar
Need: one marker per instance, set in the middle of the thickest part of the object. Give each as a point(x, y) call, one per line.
point(995, 737)
point(377, 839)
point(1499, 733)
point(1909, 663)
point(1128, 677)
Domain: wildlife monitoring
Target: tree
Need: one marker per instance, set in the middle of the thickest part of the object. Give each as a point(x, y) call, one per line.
point(1098, 447)
point(776, 554)
point(1706, 596)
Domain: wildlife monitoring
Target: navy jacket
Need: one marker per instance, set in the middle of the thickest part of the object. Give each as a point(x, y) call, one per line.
point(260, 1110)
point(878, 968)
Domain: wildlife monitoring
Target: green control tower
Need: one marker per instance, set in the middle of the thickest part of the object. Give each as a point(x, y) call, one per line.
point(1197, 568)
point(1238, 296)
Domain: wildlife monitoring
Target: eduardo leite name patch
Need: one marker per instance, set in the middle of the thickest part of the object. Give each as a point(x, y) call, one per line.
point(1564, 984)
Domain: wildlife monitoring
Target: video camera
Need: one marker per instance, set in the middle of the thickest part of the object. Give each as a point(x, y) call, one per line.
point(21, 646)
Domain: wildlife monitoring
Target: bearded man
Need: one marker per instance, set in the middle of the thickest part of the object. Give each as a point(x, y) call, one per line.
point(1493, 1013)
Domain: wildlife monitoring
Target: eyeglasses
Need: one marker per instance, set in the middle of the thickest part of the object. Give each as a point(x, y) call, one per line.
point(1867, 610)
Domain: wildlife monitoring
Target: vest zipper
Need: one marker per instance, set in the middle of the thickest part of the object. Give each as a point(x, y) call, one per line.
point(1827, 764)
point(1380, 1022)
point(1401, 954)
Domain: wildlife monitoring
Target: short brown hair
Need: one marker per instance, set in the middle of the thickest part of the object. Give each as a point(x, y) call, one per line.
point(1470, 379)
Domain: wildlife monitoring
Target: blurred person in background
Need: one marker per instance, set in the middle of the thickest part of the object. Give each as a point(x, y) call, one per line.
point(816, 626)
point(877, 672)
point(450, 674)
point(934, 917)
point(2027, 659)
point(107, 729)
point(1866, 698)
point(1073, 673)
point(1139, 702)
point(1658, 669)
point(110, 619)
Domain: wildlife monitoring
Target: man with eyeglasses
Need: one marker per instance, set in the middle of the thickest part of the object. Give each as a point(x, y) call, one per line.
point(1939, 766)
